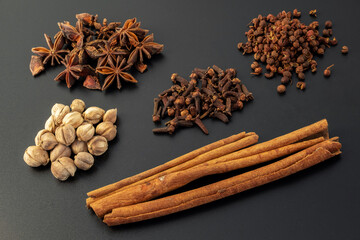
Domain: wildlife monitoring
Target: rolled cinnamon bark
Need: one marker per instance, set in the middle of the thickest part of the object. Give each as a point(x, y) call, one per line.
point(172, 181)
point(316, 129)
point(103, 191)
point(224, 188)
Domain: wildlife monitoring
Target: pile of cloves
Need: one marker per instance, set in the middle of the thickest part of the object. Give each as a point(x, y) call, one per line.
point(90, 50)
point(286, 45)
point(72, 132)
point(219, 94)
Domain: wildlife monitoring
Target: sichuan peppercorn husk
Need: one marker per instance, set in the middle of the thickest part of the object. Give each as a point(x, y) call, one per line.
point(286, 45)
point(210, 92)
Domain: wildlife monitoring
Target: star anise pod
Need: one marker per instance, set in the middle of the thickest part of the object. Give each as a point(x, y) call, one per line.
point(128, 35)
point(92, 82)
point(106, 30)
point(107, 52)
point(72, 70)
point(54, 52)
point(117, 71)
point(146, 47)
point(87, 19)
point(36, 65)
point(74, 34)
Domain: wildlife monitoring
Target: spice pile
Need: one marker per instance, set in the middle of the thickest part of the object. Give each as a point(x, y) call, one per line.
point(130, 200)
point(91, 48)
point(286, 45)
point(220, 93)
point(72, 133)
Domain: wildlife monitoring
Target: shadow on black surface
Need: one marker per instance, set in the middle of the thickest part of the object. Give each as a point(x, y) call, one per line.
point(229, 200)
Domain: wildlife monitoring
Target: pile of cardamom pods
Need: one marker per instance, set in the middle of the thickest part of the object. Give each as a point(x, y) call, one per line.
point(71, 137)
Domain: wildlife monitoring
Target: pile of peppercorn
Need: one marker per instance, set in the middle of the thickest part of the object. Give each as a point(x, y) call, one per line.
point(286, 45)
point(219, 94)
point(91, 48)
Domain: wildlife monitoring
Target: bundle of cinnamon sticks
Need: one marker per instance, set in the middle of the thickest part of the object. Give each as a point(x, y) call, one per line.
point(130, 200)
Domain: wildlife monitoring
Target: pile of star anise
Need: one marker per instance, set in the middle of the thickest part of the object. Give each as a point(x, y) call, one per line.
point(91, 48)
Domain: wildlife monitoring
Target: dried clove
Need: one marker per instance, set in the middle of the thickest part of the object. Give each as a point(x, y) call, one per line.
point(219, 94)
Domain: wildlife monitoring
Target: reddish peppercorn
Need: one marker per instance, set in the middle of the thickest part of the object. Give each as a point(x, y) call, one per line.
point(328, 24)
point(301, 85)
point(285, 80)
point(281, 88)
point(344, 50)
point(327, 71)
point(257, 71)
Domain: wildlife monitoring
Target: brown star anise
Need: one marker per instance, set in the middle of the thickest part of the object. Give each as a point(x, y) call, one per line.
point(106, 30)
point(146, 47)
point(54, 52)
point(129, 34)
point(107, 52)
point(74, 34)
point(118, 71)
point(72, 70)
point(88, 19)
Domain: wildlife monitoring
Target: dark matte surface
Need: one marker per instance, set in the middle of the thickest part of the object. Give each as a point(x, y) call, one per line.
point(319, 203)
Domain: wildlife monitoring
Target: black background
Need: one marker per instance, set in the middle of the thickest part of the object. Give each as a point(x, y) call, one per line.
point(319, 203)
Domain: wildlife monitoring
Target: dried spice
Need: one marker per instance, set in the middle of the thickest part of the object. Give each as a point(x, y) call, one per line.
point(313, 13)
point(36, 65)
point(327, 71)
point(301, 85)
point(219, 94)
point(138, 197)
point(92, 50)
point(281, 88)
point(70, 141)
point(344, 49)
point(286, 45)
point(118, 71)
point(55, 51)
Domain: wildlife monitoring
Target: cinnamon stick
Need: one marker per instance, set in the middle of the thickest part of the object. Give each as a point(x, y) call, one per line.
point(171, 181)
point(316, 129)
point(247, 140)
point(173, 163)
point(182, 201)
